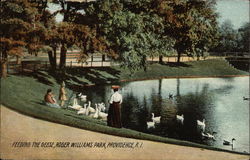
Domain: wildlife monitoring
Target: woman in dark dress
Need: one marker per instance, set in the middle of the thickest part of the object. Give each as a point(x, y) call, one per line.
point(114, 113)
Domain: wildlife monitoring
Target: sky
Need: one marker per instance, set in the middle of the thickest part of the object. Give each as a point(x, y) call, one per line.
point(237, 11)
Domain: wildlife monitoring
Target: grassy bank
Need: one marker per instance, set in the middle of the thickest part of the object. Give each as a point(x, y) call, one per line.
point(208, 68)
point(24, 93)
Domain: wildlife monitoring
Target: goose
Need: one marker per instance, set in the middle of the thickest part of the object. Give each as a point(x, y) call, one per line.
point(170, 96)
point(82, 97)
point(208, 135)
point(91, 109)
point(245, 98)
point(75, 106)
point(156, 119)
point(102, 106)
point(204, 134)
point(95, 115)
point(79, 94)
point(225, 142)
point(87, 111)
point(201, 125)
point(150, 124)
point(83, 110)
point(180, 118)
point(102, 114)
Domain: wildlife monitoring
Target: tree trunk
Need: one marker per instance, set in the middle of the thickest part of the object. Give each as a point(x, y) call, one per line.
point(51, 62)
point(63, 56)
point(4, 62)
point(161, 59)
point(54, 56)
point(4, 69)
point(178, 57)
point(179, 48)
point(18, 60)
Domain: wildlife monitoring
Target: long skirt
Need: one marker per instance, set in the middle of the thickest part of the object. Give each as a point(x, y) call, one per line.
point(114, 115)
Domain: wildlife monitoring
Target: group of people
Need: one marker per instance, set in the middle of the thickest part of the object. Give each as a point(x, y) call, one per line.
point(50, 100)
point(114, 112)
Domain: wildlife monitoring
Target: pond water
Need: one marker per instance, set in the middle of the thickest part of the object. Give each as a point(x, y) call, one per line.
point(217, 100)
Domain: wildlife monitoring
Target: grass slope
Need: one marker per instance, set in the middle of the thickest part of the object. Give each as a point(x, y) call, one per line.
point(24, 93)
point(215, 67)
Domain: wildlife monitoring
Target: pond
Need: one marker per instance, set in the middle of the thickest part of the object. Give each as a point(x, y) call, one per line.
point(217, 100)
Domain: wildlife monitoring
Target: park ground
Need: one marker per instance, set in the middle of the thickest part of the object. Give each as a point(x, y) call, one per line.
point(24, 92)
point(43, 131)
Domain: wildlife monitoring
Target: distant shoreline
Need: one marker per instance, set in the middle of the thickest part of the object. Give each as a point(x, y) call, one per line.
point(170, 77)
point(174, 77)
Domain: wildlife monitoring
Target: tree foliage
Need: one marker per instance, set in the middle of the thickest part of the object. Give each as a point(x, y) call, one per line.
point(19, 28)
point(129, 31)
point(191, 23)
point(244, 42)
point(232, 40)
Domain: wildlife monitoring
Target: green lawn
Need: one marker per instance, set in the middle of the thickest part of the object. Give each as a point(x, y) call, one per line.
point(24, 93)
point(215, 67)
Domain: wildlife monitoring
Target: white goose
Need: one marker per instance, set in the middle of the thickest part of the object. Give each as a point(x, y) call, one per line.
point(225, 142)
point(91, 109)
point(102, 114)
point(201, 125)
point(150, 124)
point(95, 115)
point(211, 136)
point(102, 106)
point(82, 97)
point(156, 119)
point(83, 110)
point(75, 106)
point(208, 135)
point(180, 118)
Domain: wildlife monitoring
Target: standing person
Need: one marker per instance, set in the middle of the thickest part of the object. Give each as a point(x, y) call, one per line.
point(50, 100)
point(114, 113)
point(62, 94)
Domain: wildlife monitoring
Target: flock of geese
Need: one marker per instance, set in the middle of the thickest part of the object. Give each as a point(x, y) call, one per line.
point(201, 126)
point(97, 112)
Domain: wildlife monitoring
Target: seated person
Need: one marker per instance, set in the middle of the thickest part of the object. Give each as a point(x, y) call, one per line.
point(50, 100)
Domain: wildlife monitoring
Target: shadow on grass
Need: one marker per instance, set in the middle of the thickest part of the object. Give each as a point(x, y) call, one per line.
point(175, 64)
point(77, 77)
point(39, 102)
point(39, 76)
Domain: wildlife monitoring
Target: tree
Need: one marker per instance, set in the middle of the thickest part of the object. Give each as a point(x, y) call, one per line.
point(131, 30)
point(69, 32)
point(244, 41)
point(192, 24)
point(227, 38)
point(52, 40)
point(17, 29)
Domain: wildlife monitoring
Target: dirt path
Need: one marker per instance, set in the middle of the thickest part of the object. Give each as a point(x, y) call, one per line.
point(16, 127)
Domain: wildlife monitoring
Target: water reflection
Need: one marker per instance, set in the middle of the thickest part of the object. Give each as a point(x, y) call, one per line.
point(217, 100)
point(134, 114)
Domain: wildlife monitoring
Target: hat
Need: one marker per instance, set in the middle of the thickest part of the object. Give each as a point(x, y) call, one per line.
point(115, 87)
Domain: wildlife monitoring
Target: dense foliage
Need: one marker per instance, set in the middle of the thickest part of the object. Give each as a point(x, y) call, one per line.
point(232, 40)
point(19, 28)
point(129, 31)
